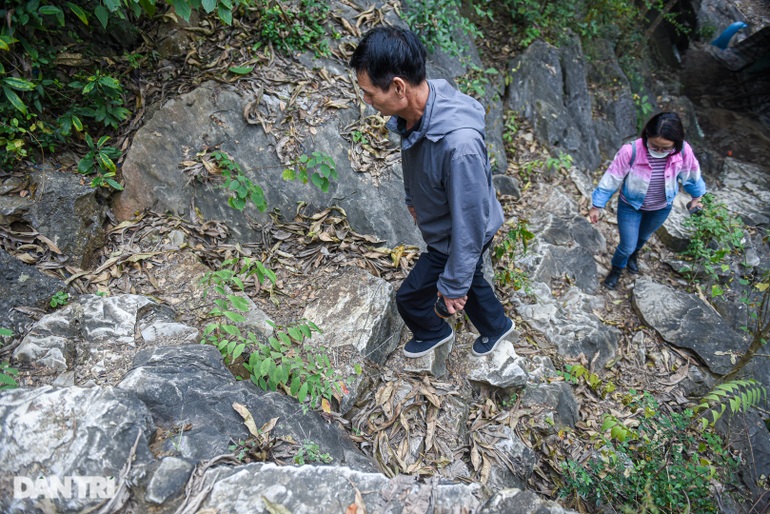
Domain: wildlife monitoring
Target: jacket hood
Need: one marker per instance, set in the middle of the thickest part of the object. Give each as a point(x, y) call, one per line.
point(447, 110)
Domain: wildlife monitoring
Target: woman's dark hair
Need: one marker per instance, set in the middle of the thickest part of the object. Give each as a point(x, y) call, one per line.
point(388, 52)
point(666, 125)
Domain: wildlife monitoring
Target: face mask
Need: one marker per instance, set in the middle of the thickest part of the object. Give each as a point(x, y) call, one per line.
point(659, 155)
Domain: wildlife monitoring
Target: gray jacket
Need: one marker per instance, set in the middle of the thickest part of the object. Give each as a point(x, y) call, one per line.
point(448, 182)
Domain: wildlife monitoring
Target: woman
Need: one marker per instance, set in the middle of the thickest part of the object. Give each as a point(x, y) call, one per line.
point(647, 173)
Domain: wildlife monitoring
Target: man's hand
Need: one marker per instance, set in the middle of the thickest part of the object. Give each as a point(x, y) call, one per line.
point(413, 213)
point(454, 304)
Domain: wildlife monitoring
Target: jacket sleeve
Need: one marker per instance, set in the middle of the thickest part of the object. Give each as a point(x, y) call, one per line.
point(469, 205)
point(613, 177)
point(690, 175)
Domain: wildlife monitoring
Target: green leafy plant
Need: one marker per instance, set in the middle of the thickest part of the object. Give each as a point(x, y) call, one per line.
point(514, 245)
point(643, 109)
point(100, 160)
point(104, 99)
point(59, 299)
point(359, 137)
point(311, 452)
point(741, 395)
point(295, 27)
point(438, 23)
point(573, 373)
point(716, 233)
point(223, 333)
point(6, 371)
point(562, 162)
point(510, 127)
point(665, 464)
point(475, 81)
point(242, 189)
point(38, 96)
point(285, 363)
point(319, 168)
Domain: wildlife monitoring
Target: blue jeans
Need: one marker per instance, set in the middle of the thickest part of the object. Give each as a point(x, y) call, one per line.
point(417, 294)
point(635, 227)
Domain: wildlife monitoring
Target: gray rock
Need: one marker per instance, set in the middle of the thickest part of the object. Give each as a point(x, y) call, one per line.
point(549, 88)
point(65, 211)
point(321, 490)
point(69, 432)
point(52, 341)
point(506, 185)
point(84, 333)
point(154, 181)
point(189, 386)
point(568, 322)
point(502, 368)
point(433, 363)
point(516, 501)
point(169, 480)
point(519, 461)
point(357, 309)
point(683, 320)
point(674, 234)
point(554, 405)
point(22, 285)
point(746, 191)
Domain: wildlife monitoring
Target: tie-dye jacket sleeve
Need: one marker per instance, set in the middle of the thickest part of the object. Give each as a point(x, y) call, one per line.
point(613, 177)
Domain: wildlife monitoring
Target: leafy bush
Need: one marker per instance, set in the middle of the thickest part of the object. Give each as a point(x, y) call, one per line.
point(284, 363)
point(40, 102)
point(295, 26)
point(241, 187)
point(59, 299)
point(319, 168)
point(666, 464)
point(438, 23)
point(514, 245)
point(6, 371)
point(716, 233)
point(225, 335)
point(311, 452)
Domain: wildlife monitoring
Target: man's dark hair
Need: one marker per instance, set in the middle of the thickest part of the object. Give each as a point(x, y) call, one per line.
point(388, 52)
point(666, 125)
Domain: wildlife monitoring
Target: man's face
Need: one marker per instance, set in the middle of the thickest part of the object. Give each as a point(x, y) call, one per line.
point(384, 100)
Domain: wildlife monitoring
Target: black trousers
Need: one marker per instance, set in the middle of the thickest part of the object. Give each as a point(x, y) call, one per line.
point(417, 295)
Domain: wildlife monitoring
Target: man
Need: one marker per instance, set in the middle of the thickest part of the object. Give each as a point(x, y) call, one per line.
point(449, 191)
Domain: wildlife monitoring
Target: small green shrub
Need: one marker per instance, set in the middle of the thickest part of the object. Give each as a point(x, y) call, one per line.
point(666, 464)
point(295, 26)
point(242, 189)
point(6, 371)
point(439, 22)
point(741, 395)
point(59, 299)
point(311, 452)
point(223, 333)
point(514, 245)
point(319, 168)
point(285, 363)
point(716, 233)
point(475, 81)
point(573, 373)
point(100, 161)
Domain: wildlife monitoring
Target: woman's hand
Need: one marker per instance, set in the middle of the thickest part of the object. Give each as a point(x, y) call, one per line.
point(593, 214)
point(694, 204)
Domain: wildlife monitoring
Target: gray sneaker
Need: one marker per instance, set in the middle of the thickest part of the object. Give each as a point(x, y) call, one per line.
point(485, 345)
